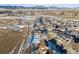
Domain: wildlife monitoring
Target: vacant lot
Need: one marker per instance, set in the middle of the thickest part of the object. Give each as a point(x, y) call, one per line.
point(10, 40)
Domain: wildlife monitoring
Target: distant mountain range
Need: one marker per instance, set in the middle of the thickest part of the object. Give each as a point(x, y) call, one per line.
point(33, 7)
point(12, 7)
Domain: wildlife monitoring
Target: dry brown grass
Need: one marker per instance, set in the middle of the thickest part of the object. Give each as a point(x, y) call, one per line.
point(9, 39)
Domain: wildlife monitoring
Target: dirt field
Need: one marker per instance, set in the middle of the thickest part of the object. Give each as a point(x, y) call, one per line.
point(10, 40)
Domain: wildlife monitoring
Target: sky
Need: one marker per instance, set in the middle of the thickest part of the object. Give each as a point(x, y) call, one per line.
point(57, 5)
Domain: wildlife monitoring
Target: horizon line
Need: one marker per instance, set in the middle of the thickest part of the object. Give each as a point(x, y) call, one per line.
point(47, 5)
